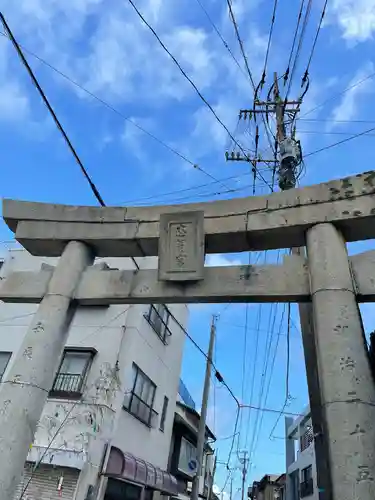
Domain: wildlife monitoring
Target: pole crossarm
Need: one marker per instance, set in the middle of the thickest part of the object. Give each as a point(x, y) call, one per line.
point(278, 220)
point(288, 282)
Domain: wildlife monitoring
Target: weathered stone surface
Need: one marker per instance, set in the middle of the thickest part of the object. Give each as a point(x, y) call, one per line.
point(346, 383)
point(272, 283)
point(181, 246)
point(279, 220)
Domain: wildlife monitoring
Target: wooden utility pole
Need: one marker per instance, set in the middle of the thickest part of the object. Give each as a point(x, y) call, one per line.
point(202, 422)
point(307, 331)
point(244, 461)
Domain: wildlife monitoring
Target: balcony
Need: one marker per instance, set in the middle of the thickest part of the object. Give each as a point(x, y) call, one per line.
point(307, 438)
point(306, 488)
point(67, 385)
point(141, 410)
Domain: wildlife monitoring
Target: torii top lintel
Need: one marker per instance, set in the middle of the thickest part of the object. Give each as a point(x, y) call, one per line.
point(278, 220)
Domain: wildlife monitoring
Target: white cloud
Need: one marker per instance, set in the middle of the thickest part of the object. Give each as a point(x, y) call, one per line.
point(355, 18)
point(219, 260)
point(351, 100)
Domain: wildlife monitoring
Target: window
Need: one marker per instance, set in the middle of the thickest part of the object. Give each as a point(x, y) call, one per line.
point(307, 437)
point(4, 360)
point(307, 485)
point(72, 373)
point(164, 413)
point(307, 474)
point(188, 452)
point(141, 398)
point(158, 317)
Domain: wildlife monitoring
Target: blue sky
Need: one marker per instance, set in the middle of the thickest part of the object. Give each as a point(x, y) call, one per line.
point(105, 48)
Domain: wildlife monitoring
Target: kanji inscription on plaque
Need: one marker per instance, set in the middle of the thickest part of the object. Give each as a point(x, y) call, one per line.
point(181, 246)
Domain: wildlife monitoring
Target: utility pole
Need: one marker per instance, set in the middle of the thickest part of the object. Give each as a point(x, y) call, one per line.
point(244, 462)
point(287, 181)
point(286, 166)
point(202, 422)
point(231, 489)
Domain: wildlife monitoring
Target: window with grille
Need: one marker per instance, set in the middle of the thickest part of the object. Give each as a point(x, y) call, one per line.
point(307, 437)
point(71, 376)
point(158, 316)
point(4, 360)
point(140, 401)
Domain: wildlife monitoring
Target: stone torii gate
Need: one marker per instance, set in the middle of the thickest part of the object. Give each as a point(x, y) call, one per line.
point(322, 218)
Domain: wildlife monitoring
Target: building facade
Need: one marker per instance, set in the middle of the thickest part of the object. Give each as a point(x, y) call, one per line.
point(106, 428)
point(270, 487)
point(301, 478)
point(183, 452)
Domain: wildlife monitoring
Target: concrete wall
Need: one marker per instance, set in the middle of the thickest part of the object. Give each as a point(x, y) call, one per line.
point(122, 336)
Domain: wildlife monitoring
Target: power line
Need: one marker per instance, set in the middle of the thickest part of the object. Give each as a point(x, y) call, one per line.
point(234, 22)
point(187, 77)
point(287, 394)
point(269, 42)
point(51, 111)
point(286, 75)
point(335, 96)
point(365, 132)
point(305, 76)
point(328, 133)
point(334, 121)
point(115, 110)
point(235, 25)
point(300, 43)
point(56, 120)
point(221, 37)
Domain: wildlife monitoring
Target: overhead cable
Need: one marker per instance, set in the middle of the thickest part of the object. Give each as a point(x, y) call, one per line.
point(234, 22)
point(269, 42)
point(305, 76)
point(286, 75)
point(360, 134)
point(335, 96)
point(300, 43)
point(51, 111)
point(221, 37)
point(187, 77)
point(115, 110)
point(287, 393)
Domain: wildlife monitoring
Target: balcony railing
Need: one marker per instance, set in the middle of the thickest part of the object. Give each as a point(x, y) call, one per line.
point(67, 384)
point(141, 410)
point(306, 439)
point(306, 488)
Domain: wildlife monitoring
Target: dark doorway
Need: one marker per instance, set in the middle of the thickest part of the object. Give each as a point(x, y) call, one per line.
point(119, 490)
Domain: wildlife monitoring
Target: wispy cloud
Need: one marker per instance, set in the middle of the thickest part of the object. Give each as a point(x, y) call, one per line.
point(355, 18)
point(352, 100)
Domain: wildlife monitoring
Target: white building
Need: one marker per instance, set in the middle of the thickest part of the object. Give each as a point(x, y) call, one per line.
point(300, 459)
point(111, 409)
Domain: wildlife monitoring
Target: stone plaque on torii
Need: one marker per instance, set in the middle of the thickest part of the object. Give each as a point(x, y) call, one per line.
point(322, 218)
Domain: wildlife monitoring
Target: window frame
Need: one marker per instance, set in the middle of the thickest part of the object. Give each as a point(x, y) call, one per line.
point(73, 394)
point(133, 394)
point(6, 364)
point(303, 473)
point(164, 413)
point(164, 333)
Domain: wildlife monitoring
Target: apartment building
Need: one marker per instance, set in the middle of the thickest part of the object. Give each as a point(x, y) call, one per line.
point(183, 451)
point(106, 428)
point(300, 459)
